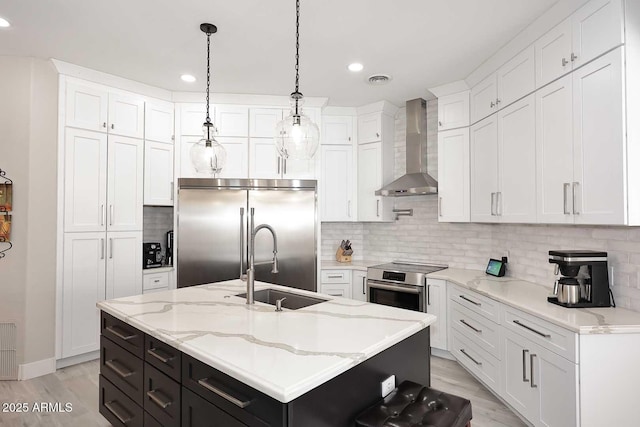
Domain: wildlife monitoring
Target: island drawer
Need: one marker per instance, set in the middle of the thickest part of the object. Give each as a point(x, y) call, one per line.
point(123, 334)
point(197, 412)
point(117, 408)
point(477, 328)
point(161, 397)
point(475, 302)
point(122, 368)
point(243, 402)
point(164, 357)
point(149, 421)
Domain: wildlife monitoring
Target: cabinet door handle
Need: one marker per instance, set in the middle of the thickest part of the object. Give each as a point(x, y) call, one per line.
point(522, 325)
point(576, 211)
point(110, 214)
point(113, 126)
point(499, 203)
point(470, 326)
point(565, 188)
point(172, 189)
point(110, 248)
point(157, 398)
point(115, 330)
point(164, 358)
point(467, 354)
point(565, 62)
point(101, 248)
point(531, 370)
point(493, 104)
point(439, 123)
point(498, 101)
point(471, 301)
point(440, 207)
point(377, 208)
point(364, 286)
point(349, 208)
point(279, 164)
point(493, 203)
point(101, 215)
point(111, 406)
point(428, 294)
point(118, 368)
point(104, 124)
point(524, 366)
point(377, 135)
point(284, 166)
point(573, 57)
point(239, 402)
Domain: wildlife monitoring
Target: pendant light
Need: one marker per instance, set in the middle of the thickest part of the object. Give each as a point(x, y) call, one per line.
point(297, 136)
point(208, 155)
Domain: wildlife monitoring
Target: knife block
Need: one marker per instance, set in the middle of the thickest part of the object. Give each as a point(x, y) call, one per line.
point(341, 257)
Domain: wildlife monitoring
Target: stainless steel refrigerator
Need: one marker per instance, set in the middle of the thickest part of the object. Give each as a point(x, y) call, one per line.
point(212, 235)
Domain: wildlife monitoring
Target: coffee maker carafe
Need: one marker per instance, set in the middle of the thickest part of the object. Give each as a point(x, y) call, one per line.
point(583, 279)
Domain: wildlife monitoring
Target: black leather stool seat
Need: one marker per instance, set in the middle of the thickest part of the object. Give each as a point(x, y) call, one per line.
point(414, 405)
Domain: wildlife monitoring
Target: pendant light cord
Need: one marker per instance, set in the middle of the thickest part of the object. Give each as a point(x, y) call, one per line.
point(297, 95)
point(208, 73)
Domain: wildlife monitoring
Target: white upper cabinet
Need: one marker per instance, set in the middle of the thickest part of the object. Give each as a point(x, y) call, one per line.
point(192, 116)
point(516, 201)
point(124, 262)
point(337, 183)
point(554, 151)
point(369, 128)
point(85, 180)
point(453, 111)
point(337, 130)
point(597, 28)
point(263, 121)
point(594, 29)
point(237, 157)
point(232, 120)
point(299, 168)
point(483, 98)
point(517, 78)
point(158, 122)
point(553, 54)
point(484, 170)
point(599, 142)
point(158, 174)
point(453, 175)
point(86, 107)
point(125, 183)
point(264, 161)
point(126, 115)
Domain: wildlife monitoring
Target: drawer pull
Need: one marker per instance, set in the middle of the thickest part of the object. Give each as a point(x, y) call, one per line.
point(121, 333)
point(156, 281)
point(470, 327)
point(335, 276)
point(111, 406)
point(467, 354)
point(118, 368)
point(164, 358)
point(470, 300)
point(157, 398)
point(517, 322)
point(238, 402)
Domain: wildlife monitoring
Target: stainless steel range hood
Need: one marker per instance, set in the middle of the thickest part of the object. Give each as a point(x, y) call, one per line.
point(416, 181)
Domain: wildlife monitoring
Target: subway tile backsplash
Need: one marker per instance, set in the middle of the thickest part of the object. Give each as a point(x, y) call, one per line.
point(157, 220)
point(422, 238)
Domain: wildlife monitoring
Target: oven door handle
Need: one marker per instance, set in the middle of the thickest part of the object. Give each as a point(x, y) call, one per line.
point(402, 289)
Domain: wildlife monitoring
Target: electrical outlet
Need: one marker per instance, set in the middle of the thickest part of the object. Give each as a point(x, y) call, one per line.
point(387, 385)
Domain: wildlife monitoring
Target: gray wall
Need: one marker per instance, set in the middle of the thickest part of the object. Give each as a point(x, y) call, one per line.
point(423, 238)
point(28, 153)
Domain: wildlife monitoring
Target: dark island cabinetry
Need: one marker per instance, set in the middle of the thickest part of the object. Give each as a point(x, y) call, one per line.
point(145, 382)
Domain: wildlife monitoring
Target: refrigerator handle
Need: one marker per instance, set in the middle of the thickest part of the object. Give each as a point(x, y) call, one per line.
point(242, 270)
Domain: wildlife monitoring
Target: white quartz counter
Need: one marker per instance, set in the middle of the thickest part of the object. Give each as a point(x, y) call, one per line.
point(532, 298)
point(283, 354)
point(353, 265)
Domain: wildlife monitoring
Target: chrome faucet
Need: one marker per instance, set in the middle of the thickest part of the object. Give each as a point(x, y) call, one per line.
point(250, 278)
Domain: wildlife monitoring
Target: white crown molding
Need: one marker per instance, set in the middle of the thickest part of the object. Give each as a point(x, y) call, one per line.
point(384, 107)
point(246, 99)
point(339, 111)
point(449, 88)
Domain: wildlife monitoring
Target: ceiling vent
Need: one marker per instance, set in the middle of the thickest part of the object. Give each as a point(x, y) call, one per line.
point(379, 79)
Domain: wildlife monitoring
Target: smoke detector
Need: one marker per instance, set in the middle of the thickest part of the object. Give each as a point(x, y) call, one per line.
point(379, 79)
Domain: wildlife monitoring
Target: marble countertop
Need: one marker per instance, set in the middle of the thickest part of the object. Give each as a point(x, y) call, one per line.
point(532, 298)
point(283, 354)
point(163, 269)
point(353, 265)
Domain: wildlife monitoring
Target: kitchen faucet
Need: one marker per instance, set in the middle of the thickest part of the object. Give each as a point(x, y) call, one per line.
point(250, 276)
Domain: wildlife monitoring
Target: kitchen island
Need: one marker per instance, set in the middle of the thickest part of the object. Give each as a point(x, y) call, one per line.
point(201, 356)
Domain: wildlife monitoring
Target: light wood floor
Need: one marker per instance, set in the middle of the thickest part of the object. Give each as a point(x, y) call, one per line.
point(79, 386)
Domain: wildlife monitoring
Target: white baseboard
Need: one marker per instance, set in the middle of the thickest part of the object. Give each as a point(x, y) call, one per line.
point(74, 360)
point(444, 354)
point(36, 369)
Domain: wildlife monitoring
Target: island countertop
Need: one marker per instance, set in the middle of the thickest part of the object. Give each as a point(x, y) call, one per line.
point(283, 354)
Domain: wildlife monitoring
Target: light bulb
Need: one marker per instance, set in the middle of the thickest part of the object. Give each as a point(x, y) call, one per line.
point(297, 137)
point(208, 155)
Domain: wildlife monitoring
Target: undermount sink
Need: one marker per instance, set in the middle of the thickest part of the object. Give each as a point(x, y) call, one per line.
point(292, 301)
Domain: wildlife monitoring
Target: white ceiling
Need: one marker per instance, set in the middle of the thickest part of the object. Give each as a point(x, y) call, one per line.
point(421, 43)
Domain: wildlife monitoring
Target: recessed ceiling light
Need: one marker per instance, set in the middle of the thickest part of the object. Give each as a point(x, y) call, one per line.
point(4, 23)
point(355, 67)
point(188, 78)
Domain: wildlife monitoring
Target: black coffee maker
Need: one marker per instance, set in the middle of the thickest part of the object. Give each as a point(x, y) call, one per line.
point(583, 279)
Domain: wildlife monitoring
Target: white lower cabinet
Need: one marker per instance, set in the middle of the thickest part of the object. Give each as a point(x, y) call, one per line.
point(359, 285)
point(153, 281)
point(437, 305)
point(97, 265)
point(336, 283)
point(342, 290)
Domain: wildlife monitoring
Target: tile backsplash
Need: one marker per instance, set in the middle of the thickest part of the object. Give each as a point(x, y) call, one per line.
point(422, 238)
point(157, 220)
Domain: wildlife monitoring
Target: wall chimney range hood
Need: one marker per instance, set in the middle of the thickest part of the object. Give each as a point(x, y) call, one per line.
point(416, 181)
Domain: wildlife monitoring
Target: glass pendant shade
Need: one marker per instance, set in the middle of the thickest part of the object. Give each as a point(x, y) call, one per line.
point(208, 155)
point(297, 137)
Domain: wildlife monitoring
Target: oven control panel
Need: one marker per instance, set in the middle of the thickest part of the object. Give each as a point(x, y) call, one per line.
point(394, 275)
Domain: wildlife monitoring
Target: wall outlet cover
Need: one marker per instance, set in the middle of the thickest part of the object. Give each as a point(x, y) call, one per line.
point(387, 385)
